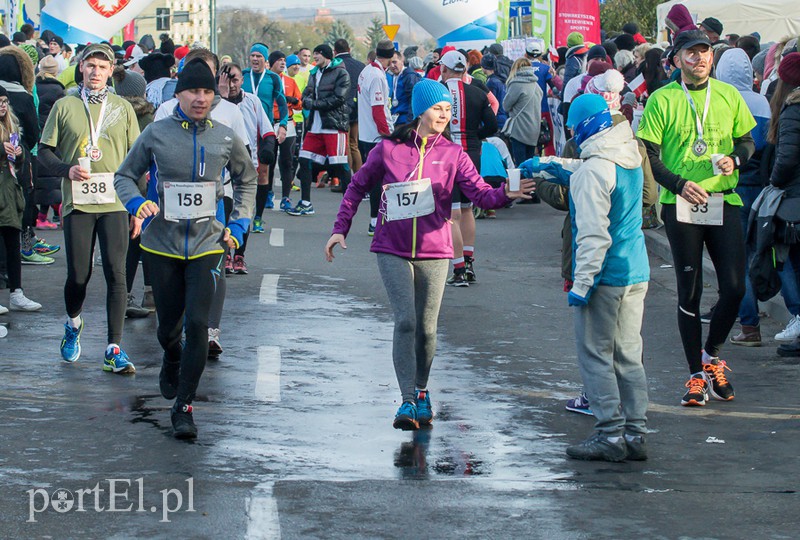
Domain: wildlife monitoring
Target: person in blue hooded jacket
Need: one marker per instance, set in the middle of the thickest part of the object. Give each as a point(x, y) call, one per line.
point(610, 274)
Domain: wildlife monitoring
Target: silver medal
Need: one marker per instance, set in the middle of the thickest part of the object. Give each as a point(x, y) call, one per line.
point(94, 153)
point(700, 147)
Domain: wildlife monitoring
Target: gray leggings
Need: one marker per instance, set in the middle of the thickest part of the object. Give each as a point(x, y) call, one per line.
point(415, 289)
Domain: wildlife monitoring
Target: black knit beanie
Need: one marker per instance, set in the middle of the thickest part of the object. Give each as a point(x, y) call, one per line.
point(325, 50)
point(274, 56)
point(195, 74)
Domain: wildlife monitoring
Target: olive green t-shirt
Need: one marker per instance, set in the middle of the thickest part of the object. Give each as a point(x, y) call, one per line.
point(67, 130)
point(668, 120)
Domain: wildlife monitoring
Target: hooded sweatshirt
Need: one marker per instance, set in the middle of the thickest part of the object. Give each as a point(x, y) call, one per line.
point(679, 19)
point(734, 68)
point(443, 162)
point(605, 200)
point(523, 103)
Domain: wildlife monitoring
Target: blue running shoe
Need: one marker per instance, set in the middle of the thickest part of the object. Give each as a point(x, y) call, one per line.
point(71, 344)
point(302, 210)
point(43, 248)
point(270, 200)
point(424, 410)
point(258, 225)
point(286, 204)
point(406, 417)
point(116, 361)
point(580, 405)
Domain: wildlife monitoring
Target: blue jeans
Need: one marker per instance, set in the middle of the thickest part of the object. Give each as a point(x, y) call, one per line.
point(521, 151)
point(789, 287)
point(748, 309)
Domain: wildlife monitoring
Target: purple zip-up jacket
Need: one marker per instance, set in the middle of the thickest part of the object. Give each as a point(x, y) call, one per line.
point(445, 163)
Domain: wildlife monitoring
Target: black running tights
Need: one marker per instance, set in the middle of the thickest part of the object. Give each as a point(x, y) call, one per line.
point(80, 232)
point(725, 246)
point(183, 291)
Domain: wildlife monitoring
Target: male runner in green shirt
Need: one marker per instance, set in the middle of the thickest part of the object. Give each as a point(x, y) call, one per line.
point(697, 134)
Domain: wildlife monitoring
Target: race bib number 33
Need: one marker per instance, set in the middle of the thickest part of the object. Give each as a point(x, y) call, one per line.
point(99, 189)
point(406, 200)
point(189, 200)
point(707, 213)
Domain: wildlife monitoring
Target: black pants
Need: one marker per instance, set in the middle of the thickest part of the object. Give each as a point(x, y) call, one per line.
point(285, 158)
point(298, 142)
point(10, 237)
point(183, 291)
point(132, 263)
point(81, 230)
point(725, 246)
point(375, 195)
point(309, 170)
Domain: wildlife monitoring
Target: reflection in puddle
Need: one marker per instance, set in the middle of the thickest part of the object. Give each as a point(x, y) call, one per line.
point(412, 459)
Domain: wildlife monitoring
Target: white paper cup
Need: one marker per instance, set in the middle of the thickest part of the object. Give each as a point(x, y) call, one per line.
point(85, 163)
point(714, 160)
point(513, 179)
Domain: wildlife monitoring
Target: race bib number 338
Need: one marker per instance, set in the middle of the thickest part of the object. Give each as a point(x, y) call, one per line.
point(189, 200)
point(707, 213)
point(99, 189)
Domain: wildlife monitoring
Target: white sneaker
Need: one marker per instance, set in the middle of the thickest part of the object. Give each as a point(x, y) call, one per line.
point(3, 309)
point(20, 303)
point(214, 344)
point(792, 330)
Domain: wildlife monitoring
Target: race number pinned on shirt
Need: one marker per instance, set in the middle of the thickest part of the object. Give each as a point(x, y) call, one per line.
point(291, 130)
point(406, 200)
point(189, 200)
point(707, 213)
point(99, 189)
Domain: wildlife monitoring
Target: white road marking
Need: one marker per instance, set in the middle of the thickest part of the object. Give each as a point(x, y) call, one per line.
point(268, 380)
point(269, 289)
point(263, 521)
point(276, 237)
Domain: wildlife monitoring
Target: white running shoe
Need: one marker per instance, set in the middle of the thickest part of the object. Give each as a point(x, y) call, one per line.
point(3, 309)
point(792, 330)
point(20, 303)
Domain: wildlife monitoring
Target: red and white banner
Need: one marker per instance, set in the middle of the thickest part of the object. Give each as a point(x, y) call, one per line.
point(577, 16)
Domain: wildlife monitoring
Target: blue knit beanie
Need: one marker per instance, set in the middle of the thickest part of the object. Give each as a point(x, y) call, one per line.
point(583, 107)
point(428, 93)
point(292, 60)
point(261, 49)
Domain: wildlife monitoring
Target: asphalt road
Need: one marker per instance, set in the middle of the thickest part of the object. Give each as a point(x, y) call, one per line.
point(295, 418)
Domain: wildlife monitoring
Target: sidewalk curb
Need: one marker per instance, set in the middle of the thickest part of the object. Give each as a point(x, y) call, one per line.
point(658, 245)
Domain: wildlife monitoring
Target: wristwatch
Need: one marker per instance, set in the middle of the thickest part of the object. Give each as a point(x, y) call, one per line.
point(736, 161)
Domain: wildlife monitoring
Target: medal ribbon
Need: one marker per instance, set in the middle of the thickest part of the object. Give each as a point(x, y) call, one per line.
point(253, 84)
point(700, 122)
point(93, 131)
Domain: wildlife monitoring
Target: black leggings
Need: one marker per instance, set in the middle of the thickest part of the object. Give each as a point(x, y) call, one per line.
point(132, 263)
point(10, 237)
point(80, 232)
point(308, 172)
point(183, 291)
point(377, 191)
point(725, 246)
point(285, 157)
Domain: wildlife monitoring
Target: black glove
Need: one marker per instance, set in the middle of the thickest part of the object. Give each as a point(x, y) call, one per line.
point(266, 150)
point(292, 100)
point(308, 104)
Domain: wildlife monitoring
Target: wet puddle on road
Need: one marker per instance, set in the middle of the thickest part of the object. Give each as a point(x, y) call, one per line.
point(338, 395)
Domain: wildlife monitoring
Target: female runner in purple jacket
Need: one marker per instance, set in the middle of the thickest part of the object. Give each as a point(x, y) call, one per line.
point(418, 166)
